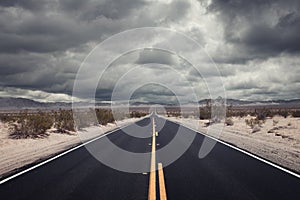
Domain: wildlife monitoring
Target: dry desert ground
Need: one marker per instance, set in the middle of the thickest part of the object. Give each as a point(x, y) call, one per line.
point(278, 139)
point(16, 153)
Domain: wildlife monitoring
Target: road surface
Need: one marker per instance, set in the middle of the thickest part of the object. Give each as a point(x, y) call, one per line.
point(224, 174)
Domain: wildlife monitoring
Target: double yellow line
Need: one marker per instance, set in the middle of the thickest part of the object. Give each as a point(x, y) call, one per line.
point(152, 180)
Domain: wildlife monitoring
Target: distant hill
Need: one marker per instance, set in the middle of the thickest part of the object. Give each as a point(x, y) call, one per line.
point(136, 103)
point(229, 102)
point(274, 103)
point(19, 103)
point(8, 103)
point(244, 102)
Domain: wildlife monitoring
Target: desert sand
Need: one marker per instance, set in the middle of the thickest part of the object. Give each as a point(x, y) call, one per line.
point(16, 153)
point(280, 146)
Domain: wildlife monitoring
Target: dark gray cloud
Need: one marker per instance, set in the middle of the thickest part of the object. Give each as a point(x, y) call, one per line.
point(34, 5)
point(110, 9)
point(43, 42)
point(42, 34)
point(154, 93)
point(48, 26)
point(244, 85)
point(283, 37)
point(38, 72)
point(259, 29)
point(156, 56)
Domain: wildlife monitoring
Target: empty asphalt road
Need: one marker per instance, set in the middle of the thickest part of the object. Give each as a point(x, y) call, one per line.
point(224, 173)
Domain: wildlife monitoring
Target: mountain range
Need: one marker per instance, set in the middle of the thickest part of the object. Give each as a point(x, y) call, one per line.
point(23, 103)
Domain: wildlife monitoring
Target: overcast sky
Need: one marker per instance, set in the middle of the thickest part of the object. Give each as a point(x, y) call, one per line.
point(254, 43)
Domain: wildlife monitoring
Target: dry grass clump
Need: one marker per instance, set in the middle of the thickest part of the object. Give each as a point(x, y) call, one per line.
point(31, 125)
point(205, 113)
point(137, 114)
point(63, 121)
point(173, 113)
point(275, 122)
point(35, 124)
point(104, 116)
point(229, 122)
point(295, 113)
point(255, 124)
point(85, 118)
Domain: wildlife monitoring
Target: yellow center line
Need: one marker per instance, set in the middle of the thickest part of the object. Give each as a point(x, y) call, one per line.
point(152, 180)
point(162, 187)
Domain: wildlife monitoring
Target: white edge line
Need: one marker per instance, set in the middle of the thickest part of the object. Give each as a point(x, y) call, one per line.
point(65, 152)
point(238, 149)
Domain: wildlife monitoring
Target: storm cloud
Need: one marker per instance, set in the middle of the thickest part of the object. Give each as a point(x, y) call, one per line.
point(260, 28)
point(255, 45)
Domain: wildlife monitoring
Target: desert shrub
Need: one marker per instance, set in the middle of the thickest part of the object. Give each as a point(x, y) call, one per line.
point(176, 114)
point(253, 122)
point(185, 115)
point(268, 112)
point(173, 114)
point(243, 113)
point(236, 113)
point(7, 118)
point(81, 122)
point(137, 114)
point(85, 118)
point(284, 113)
point(31, 125)
point(229, 113)
point(121, 114)
point(275, 122)
point(262, 115)
point(229, 122)
point(64, 121)
point(249, 122)
point(104, 116)
point(205, 113)
point(218, 111)
point(295, 113)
